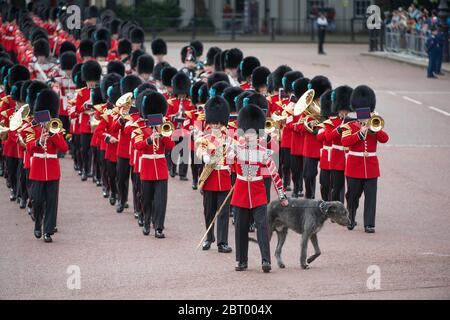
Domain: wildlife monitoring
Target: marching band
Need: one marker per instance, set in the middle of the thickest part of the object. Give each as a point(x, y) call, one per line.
point(123, 114)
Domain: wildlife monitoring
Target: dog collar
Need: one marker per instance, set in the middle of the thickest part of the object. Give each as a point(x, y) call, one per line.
point(322, 206)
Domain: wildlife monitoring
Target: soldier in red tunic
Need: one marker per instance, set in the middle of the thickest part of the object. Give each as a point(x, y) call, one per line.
point(246, 67)
point(250, 155)
point(362, 168)
point(43, 145)
point(152, 163)
point(212, 148)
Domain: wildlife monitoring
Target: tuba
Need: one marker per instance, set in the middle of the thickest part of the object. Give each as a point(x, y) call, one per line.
point(124, 104)
point(307, 105)
point(18, 117)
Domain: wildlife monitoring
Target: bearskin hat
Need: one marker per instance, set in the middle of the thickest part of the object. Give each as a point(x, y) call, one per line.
point(76, 69)
point(86, 48)
point(341, 99)
point(326, 104)
point(184, 53)
point(203, 94)
point(78, 80)
point(114, 26)
point(18, 73)
point(239, 100)
point(134, 58)
point(194, 91)
point(211, 54)
point(248, 65)
point(92, 12)
point(91, 71)
point(216, 77)
point(15, 90)
point(47, 99)
point(181, 83)
point(259, 77)
point(113, 93)
point(68, 60)
point(251, 117)
point(217, 110)
point(167, 74)
point(67, 46)
point(159, 47)
point(103, 34)
point(129, 83)
point(24, 89)
point(230, 95)
point(100, 49)
point(363, 97)
point(258, 100)
point(218, 88)
point(300, 86)
point(289, 78)
point(145, 64)
point(32, 91)
point(320, 84)
point(233, 58)
point(198, 46)
point(41, 48)
point(96, 96)
point(124, 47)
point(277, 76)
point(142, 88)
point(152, 102)
point(108, 81)
point(38, 33)
point(218, 61)
point(158, 69)
point(116, 66)
point(87, 32)
point(137, 35)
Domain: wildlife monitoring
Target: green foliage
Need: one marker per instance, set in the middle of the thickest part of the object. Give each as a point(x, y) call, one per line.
point(152, 14)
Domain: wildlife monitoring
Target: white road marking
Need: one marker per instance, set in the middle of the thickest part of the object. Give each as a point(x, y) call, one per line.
point(412, 100)
point(435, 254)
point(445, 113)
point(392, 93)
point(415, 145)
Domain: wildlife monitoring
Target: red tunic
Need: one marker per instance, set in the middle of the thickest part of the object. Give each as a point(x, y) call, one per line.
point(362, 160)
point(83, 96)
point(337, 160)
point(297, 137)
point(311, 146)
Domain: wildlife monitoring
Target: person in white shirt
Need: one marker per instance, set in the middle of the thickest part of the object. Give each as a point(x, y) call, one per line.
point(322, 25)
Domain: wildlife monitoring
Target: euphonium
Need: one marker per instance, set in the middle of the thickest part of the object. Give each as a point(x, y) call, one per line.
point(375, 123)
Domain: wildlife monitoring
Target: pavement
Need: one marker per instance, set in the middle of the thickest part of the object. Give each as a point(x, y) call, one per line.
point(410, 251)
point(404, 58)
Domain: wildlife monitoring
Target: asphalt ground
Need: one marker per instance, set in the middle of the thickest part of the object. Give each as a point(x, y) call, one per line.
point(410, 249)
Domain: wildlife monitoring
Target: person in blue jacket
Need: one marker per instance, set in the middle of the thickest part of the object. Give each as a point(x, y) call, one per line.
point(433, 50)
point(440, 40)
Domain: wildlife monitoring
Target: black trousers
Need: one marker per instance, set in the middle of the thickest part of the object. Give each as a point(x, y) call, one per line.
point(45, 204)
point(12, 165)
point(123, 179)
point(212, 200)
point(77, 157)
point(355, 188)
point(181, 159)
point(321, 32)
point(104, 170)
point(325, 184)
point(111, 168)
point(97, 173)
point(285, 158)
point(196, 167)
point(137, 201)
point(338, 185)
point(242, 222)
point(154, 196)
point(309, 176)
point(85, 152)
point(297, 172)
point(268, 185)
point(22, 190)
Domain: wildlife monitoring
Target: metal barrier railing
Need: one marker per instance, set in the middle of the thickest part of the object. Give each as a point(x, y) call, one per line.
point(403, 42)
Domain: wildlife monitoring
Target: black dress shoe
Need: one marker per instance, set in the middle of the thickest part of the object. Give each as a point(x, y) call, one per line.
point(126, 205)
point(294, 195)
point(23, 204)
point(48, 237)
point(146, 230)
point(120, 208)
point(172, 173)
point(141, 220)
point(159, 234)
point(369, 229)
point(112, 201)
point(287, 188)
point(241, 266)
point(83, 177)
point(12, 196)
point(352, 225)
point(266, 267)
point(206, 245)
point(301, 194)
point(224, 248)
point(55, 230)
point(98, 183)
point(38, 234)
point(105, 194)
point(90, 175)
point(183, 178)
point(79, 173)
point(76, 168)
point(194, 186)
point(136, 215)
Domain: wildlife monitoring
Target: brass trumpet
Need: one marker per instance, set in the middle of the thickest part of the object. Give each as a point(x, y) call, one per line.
point(166, 129)
point(375, 123)
point(270, 126)
point(55, 126)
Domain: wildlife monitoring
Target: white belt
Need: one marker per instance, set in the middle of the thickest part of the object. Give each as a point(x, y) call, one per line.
point(153, 156)
point(328, 149)
point(335, 146)
point(222, 168)
point(362, 154)
point(45, 155)
point(249, 179)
